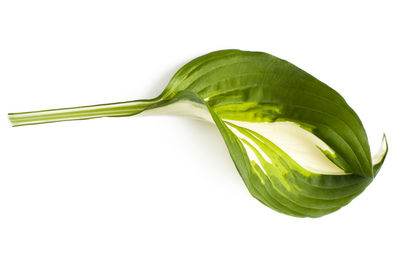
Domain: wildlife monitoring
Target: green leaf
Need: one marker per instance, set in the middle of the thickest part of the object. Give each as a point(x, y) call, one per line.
point(300, 149)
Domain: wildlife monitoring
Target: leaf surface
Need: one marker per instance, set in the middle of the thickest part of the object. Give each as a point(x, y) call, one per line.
point(256, 89)
point(299, 147)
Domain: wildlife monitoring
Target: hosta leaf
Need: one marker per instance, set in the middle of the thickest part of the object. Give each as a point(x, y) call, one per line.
point(300, 149)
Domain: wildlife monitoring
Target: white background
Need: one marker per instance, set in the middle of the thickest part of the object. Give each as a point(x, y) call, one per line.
point(163, 191)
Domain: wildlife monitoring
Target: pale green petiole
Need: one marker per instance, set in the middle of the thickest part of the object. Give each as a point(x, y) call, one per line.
point(119, 109)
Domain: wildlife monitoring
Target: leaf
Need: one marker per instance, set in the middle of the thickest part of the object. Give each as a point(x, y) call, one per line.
point(300, 149)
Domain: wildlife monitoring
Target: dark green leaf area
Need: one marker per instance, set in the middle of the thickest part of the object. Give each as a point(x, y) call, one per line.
point(256, 87)
point(299, 191)
point(282, 184)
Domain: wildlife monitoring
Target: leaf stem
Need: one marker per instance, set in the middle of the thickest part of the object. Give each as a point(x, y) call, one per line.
point(80, 113)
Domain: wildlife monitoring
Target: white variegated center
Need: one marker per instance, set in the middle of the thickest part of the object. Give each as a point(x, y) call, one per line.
point(301, 145)
point(249, 150)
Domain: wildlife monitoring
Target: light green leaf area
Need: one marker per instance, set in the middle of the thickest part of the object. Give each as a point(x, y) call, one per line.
point(300, 149)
